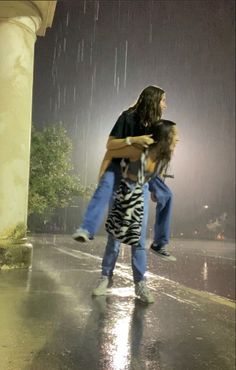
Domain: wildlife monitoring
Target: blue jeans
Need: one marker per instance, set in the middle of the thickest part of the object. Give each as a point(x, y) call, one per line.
point(98, 204)
point(100, 200)
point(163, 210)
point(138, 253)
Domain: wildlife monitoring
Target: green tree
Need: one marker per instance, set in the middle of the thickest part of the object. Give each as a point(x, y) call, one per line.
point(52, 184)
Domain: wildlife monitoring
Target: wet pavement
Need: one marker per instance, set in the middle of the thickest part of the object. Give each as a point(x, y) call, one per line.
point(49, 321)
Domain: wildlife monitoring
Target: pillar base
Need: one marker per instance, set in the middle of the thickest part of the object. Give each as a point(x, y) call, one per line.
point(15, 254)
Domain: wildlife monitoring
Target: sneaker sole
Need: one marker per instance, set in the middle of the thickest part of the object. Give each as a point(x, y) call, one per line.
point(143, 300)
point(165, 258)
point(80, 239)
point(147, 302)
point(97, 294)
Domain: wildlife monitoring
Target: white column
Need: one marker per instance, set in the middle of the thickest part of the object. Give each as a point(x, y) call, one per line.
point(19, 22)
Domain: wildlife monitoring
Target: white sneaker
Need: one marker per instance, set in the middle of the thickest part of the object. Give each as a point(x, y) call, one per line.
point(81, 235)
point(102, 286)
point(141, 290)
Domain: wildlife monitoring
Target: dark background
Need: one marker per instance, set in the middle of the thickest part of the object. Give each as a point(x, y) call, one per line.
point(99, 55)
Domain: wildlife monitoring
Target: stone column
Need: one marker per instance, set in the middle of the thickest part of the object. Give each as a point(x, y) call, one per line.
point(19, 23)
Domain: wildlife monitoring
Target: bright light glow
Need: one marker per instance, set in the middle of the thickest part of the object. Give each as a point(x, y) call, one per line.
point(121, 343)
point(206, 206)
point(115, 346)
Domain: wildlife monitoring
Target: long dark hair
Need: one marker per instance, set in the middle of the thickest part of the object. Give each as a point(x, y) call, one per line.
point(164, 133)
point(148, 105)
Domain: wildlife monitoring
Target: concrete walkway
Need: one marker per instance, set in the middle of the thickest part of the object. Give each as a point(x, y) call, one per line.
point(49, 321)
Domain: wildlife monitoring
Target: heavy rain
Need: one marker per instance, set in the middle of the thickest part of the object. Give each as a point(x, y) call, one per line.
point(90, 66)
point(96, 59)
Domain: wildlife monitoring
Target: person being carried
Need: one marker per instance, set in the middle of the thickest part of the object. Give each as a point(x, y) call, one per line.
point(132, 127)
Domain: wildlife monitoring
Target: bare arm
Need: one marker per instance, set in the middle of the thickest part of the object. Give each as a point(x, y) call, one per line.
point(114, 143)
point(132, 152)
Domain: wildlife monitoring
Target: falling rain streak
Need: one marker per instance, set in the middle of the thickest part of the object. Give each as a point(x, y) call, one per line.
point(59, 97)
point(92, 87)
point(115, 67)
point(150, 33)
point(91, 53)
point(67, 19)
point(74, 94)
point(82, 51)
point(64, 44)
point(150, 22)
point(78, 55)
point(64, 94)
point(96, 10)
point(118, 84)
point(126, 54)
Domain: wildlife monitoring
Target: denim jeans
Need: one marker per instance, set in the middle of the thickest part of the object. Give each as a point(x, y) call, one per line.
point(163, 210)
point(99, 202)
point(138, 253)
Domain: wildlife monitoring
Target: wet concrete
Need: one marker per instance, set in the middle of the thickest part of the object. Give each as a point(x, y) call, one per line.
point(49, 320)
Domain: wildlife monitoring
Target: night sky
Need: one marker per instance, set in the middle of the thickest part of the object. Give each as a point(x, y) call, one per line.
point(99, 55)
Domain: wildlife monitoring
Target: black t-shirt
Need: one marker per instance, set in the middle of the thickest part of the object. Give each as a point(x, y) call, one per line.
point(128, 124)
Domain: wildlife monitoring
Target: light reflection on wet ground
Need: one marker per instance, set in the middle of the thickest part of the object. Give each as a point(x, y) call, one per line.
point(49, 321)
point(202, 265)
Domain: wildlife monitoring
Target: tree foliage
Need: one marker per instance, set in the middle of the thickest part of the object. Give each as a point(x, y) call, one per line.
point(52, 183)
